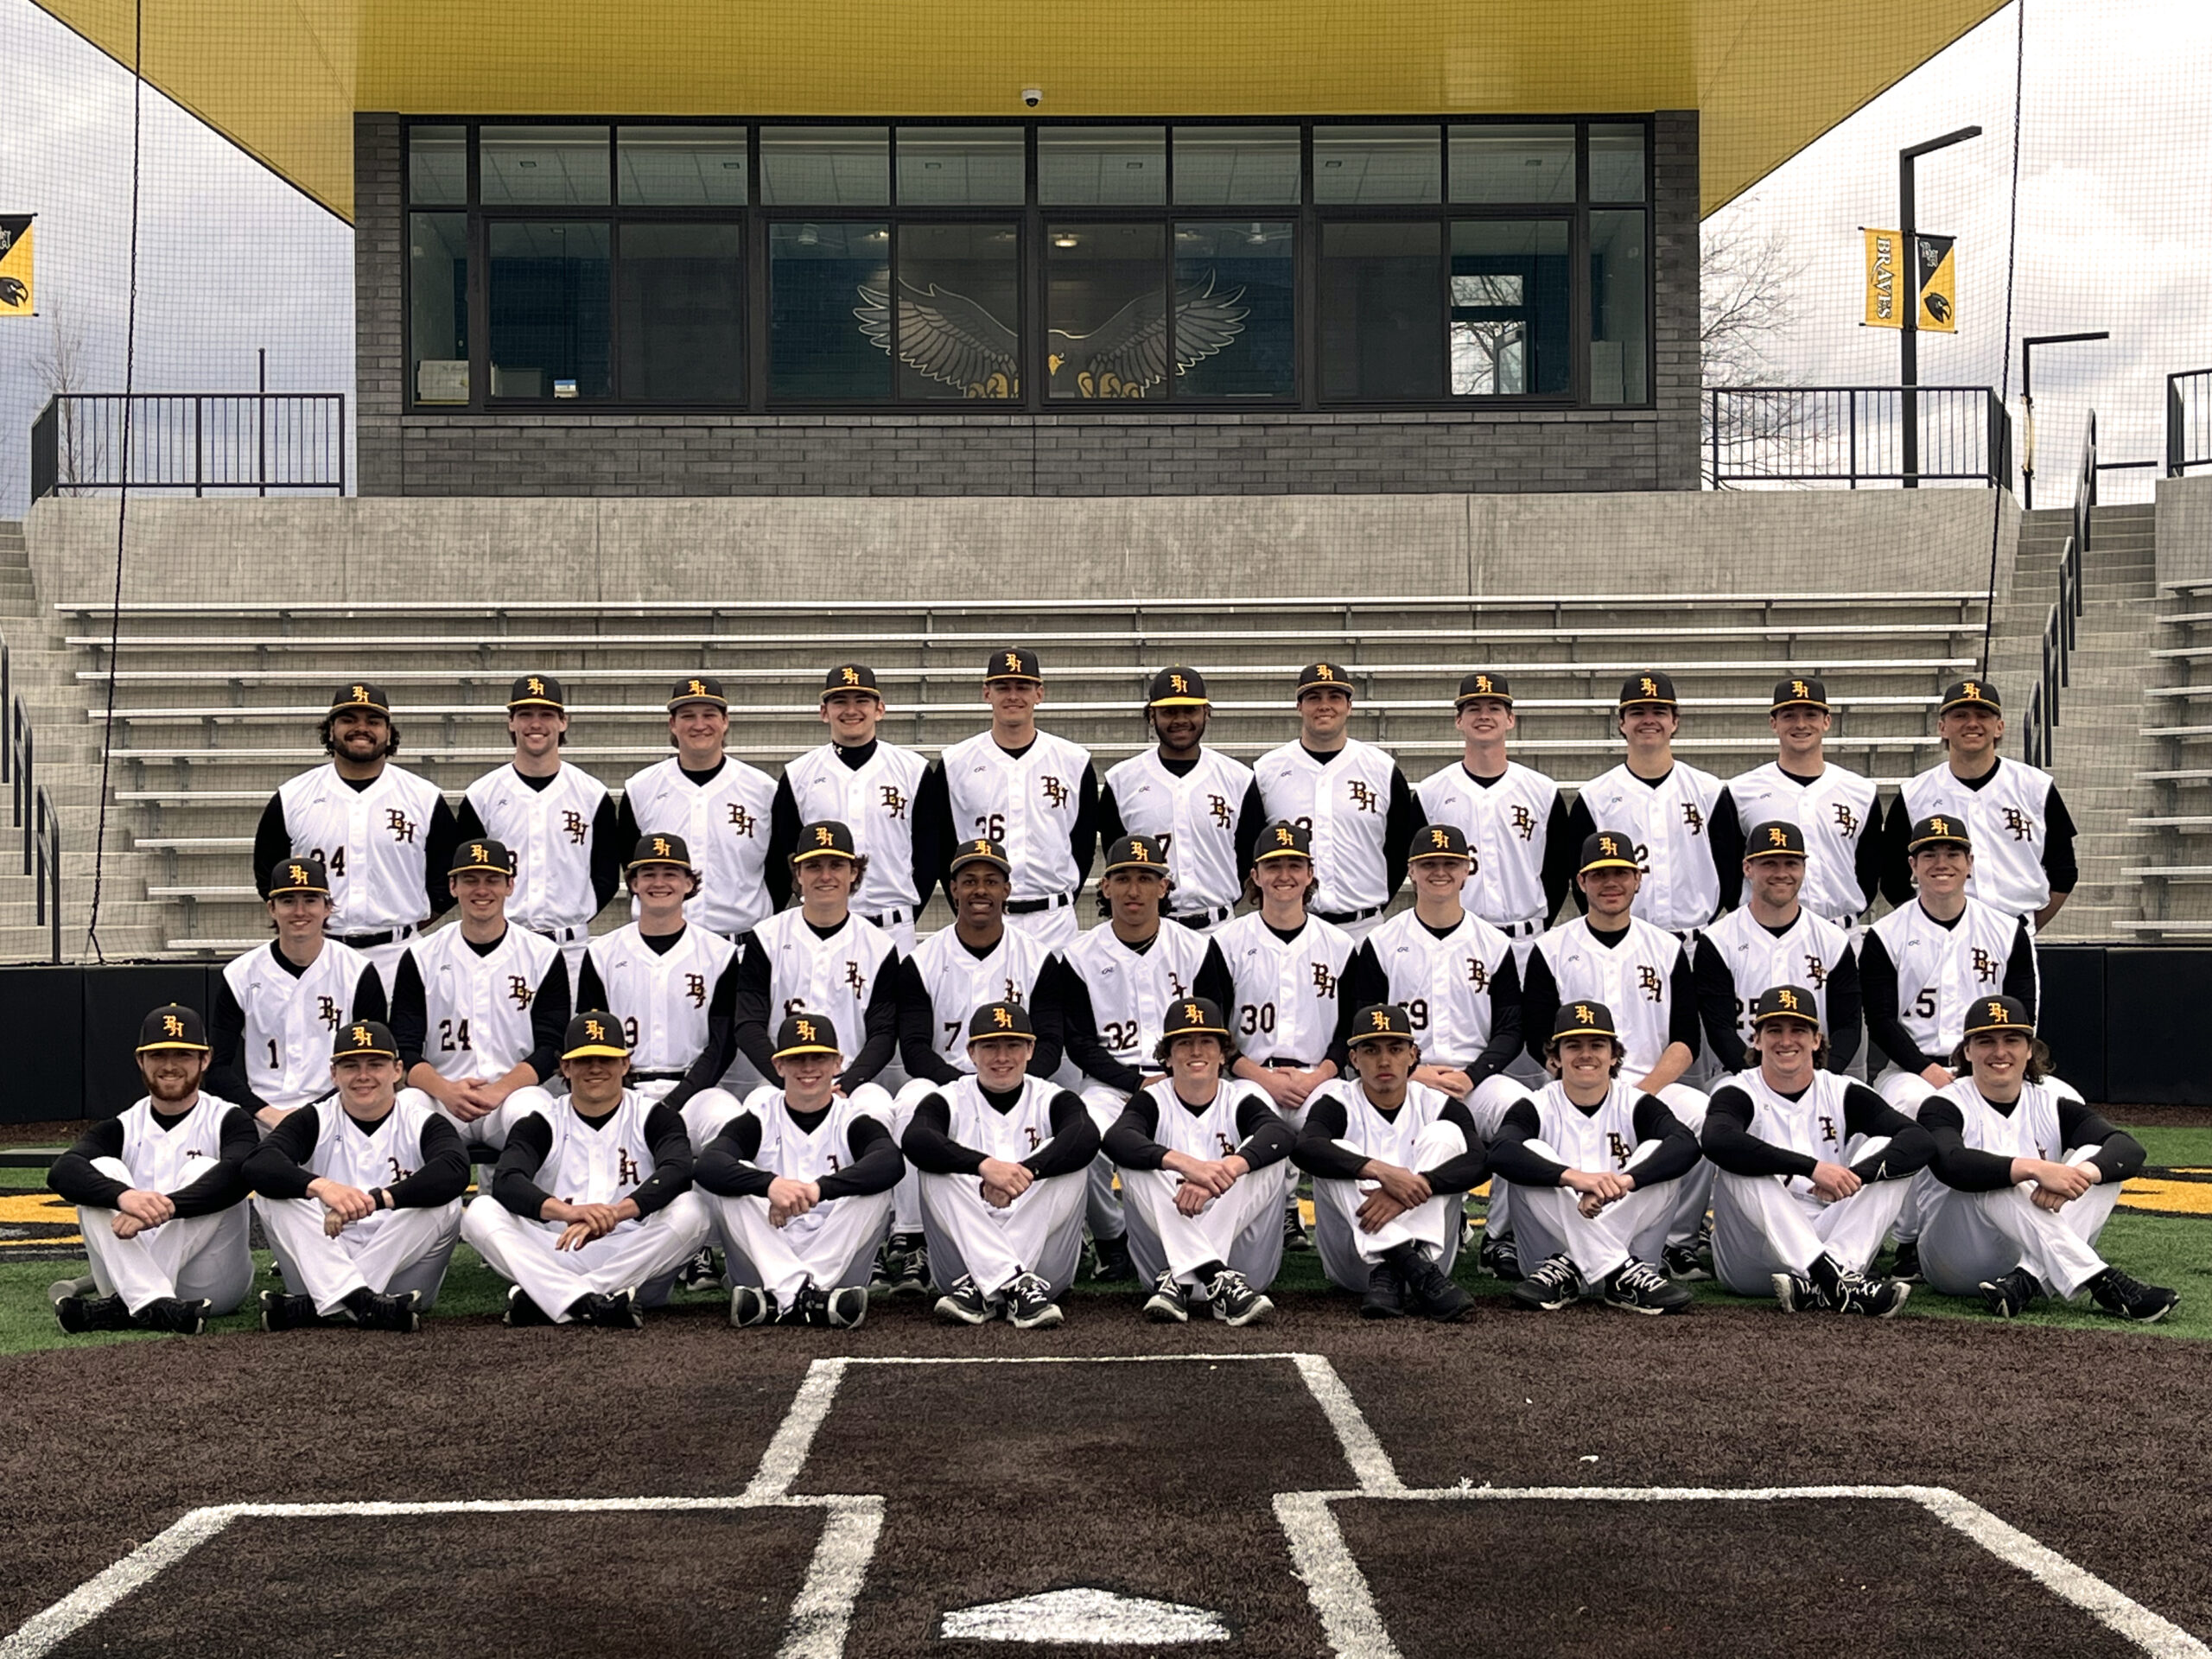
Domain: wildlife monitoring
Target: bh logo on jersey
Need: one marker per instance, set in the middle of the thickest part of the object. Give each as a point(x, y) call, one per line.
point(1479, 975)
point(740, 821)
point(519, 992)
point(1619, 1148)
point(1056, 792)
point(1985, 967)
point(574, 827)
point(1828, 1128)
point(855, 981)
point(625, 1168)
point(2018, 824)
point(402, 826)
point(1845, 819)
point(325, 1009)
point(1324, 982)
point(1648, 982)
point(1217, 809)
point(893, 804)
point(1524, 823)
point(1361, 794)
point(1816, 971)
point(1693, 817)
point(695, 987)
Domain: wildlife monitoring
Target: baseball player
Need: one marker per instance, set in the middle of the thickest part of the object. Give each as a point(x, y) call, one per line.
point(799, 1185)
point(608, 1246)
point(1002, 1156)
point(892, 798)
point(1594, 1160)
point(1772, 939)
point(360, 1195)
point(478, 1007)
point(721, 806)
point(1835, 808)
point(1200, 1231)
point(382, 832)
point(1035, 794)
point(1813, 1169)
point(1514, 819)
point(1120, 981)
point(2023, 833)
point(1664, 808)
point(2026, 1177)
point(277, 1007)
point(1349, 796)
point(558, 819)
point(1392, 1161)
point(978, 959)
point(1201, 806)
point(159, 1196)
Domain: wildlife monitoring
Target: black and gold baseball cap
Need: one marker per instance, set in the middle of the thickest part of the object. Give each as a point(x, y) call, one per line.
point(1970, 694)
point(850, 676)
point(1939, 830)
point(482, 852)
point(1583, 1018)
point(1378, 1022)
point(537, 691)
point(806, 1033)
point(697, 688)
point(826, 839)
point(172, 1026)
point(1134, 853)
point(1000, 1019)
point(1193, 1016)
point(1283, 839)
point(1178, 688)
point(661, 849)
point(979, 851)
point(1651, 686)
point(1796, 693)
point(1607, 849)
point(1438, 840)
point(1322, 677)
point(1776, 838)
point(1475, 687)
point(359, 693)
point(1987, 1013)
point(1014, 662)
point(365, 1037)
point(594, 1035)
point(298, 875)
point(1786, 1002)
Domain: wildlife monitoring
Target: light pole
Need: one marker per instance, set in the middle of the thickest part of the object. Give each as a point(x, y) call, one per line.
point(1909, 333)
point(2028, 403)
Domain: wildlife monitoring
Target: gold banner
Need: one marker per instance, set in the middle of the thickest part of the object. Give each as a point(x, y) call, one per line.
point(1939, 285)
point(1885, 279)
point(16, 299)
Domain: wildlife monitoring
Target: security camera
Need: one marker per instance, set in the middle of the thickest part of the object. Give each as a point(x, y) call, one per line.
point(1033, 96)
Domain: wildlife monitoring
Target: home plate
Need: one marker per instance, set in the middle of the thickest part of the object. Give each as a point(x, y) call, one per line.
point(1099, 1618)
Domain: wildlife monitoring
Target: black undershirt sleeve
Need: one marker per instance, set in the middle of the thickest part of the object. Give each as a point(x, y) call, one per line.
point(931, 810)
point(439, 842)
point(1717, 1004)
point(1074, 1142)
point(226, 1071)
point(1363, 985)
point(938, 809)
point(928, 1143)
point(2020, 968)
point(672, 1148)
point(1844, 1010)
point(1048, 1013)
point(609, 854)
point(514, 1184)
point(726, 1166)
point(549, 1019)
point(1562, 852)
point(754, 1011)
point(626, 832)
point(1678, 1151)
point(1504, 1044)
point(1728, 1139)
point(917, 1040)
point(1539, 1006)
point(1957, 1165)
point(1133, 1141)
point(271, 841)
point(467, 823)
point(1878, 990)
point(1262, 1137)
point(1251, 818)
point(276, 1168)
point(591, 995)
point(783, 825)
point(1214, 982)
point(72, 1175)
point(1316, 1151)
point(1091, 1056)
point(1580, 826)
point(1725, 835)
point(1111, 827)
point(1510, 1153)
point(2120, 1155)
point(410, 1016)
point(442, 1175)
point(714, 1059)
point(225, 1184)
point(1911, 1148)
point(883, 1029)
point(1467, 1171)
point(1082, 839)
point(1681, 1002)
point(1398, 833)
point(1896, 864)
point(368, 998)
point(876, 1165)
point(1867, 859)
point(2058, 861)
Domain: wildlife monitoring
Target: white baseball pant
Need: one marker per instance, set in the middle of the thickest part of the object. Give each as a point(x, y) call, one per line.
point(1967, 1238)
point(1693, 1190)
point(1763, 1225)
point(1055, 929)
point(832, 1244)
point(1040, 1232)
point(1349, 1253)
point(194, 1257)
point(1548, 1222)
point(1102, 1207)
point(644, 1254)
point(1493, 1097)
point(1242, 1229)
point(393, 1251)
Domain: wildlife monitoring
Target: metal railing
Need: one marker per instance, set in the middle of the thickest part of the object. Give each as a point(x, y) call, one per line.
point(2060, 626)
point(1855, 435)
point(284, 441)
point(32, 806)
point(2189, 421)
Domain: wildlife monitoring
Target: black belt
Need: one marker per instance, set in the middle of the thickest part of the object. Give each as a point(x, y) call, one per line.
point(1527, 930)
point(562, 935)
point(1280, 1064)
point(1338, 918)
point(370, 941)
point(1031, 907)
point(657, 1077)
point(897, 918)
point(1199, 920)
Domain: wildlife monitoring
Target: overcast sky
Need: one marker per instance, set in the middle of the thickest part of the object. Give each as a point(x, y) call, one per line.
point(2115, 228)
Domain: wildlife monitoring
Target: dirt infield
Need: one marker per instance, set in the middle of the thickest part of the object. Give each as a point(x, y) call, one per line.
point(1152, 1480)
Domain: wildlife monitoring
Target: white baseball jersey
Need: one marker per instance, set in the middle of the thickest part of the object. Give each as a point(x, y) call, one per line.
point(371, 841)
point(876, 801)
point(1633, 978)
point(661, 997)
point(1444, 984)
point(1347, 805)
point(1835, 810)
point(1601, 1140)
point(1504, 824)
point(548, 830)
point(1010, 1136)
point(1209, 1133)
point(1192, 817)
point(2005, 819)
point(1026, 802)
point(382, 1157)
point(2030, 1130)
point(1376, 1136)
point(597, 1166)
point(959, 982)
point(155, 1156)
point(477, 1008)
point(789, 1151)
point(836, 975)
point(1286, 992)
point(1758, 961)
point(1941, 971)
point(726, 822)
point(288, 1019)
point(1671, 825)
point(1812, 1124)
point(1130, 993)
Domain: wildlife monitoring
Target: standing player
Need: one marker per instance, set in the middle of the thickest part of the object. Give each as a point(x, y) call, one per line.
point(159, 1196)
point(276, 1008)
point(1349, 796)
point(721, 806)
point(799, 1186)
point(360, 1195)
point(1002, 1156)
point(1835, 808)
point(383, 833)
point(1771, 939)
point(1032, 793)
point(1664, 807)
point(2023, 833)
point(558, 819)
point(1201, 806)
point(891, 798)
point(1513, 818)
point(608, 1246)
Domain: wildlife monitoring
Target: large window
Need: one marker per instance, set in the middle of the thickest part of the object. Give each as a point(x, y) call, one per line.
point(1044, 265)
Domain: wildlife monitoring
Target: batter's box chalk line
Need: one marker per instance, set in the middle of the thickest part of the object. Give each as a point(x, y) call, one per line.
point(821, 1614)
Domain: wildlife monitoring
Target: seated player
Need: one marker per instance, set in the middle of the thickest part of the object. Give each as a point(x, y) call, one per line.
point(1392, 1161)
point(1594, 1162)
point(1812, 1170)
point(1201, 1228)
point(360, 1195)
point(2026, 1177)
point(799, 1185)
point(1004, 1157)
point(159, 1195)
point(608, 1248)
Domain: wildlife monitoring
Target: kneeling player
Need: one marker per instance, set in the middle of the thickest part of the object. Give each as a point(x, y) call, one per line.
point(1814, 1169)
point(1199, 1229)
point(799, 1186)
point(1003, 1158)
point(360, 1195)
point(1593, 1162)
point(1391, 1161)
point(609, 1248)
point(2006, 1219)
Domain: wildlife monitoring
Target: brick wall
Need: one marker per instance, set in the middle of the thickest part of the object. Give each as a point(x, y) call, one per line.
point(476, 454)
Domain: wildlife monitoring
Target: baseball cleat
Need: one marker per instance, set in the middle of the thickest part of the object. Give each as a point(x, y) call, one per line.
point(2008, 1297)
point(846, 1307)
point(879, 1278)
point(78, 1314)
point(700, 1273)
point(282, 1312)
point(1386, 1297)
point(1683, 1262)
point(521, 1311)
point(177, 1316)
point(1498, 1257)
point(1110, 1261)
point(965, 1303)
point(804, 1308)
point(906, 1265)
point(2131, 1298)
point(87, 1286)
point(1906, 1263)
point(1639, 1288)
point(617, 1310)
point(1029, 1303)
point(1555, 1282)
point(1234, 1300)
point(1873, 1299)
point(749, 1305)
point(1293, 1230)
point(1429, 1289)
point(1167, 1305)
point(1795, 1294)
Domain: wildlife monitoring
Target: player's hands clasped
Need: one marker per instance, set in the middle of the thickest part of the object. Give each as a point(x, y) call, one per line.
point(2059, 1185)
point(789, 1199)
point(1002, 1182)
point(1832, 1183)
